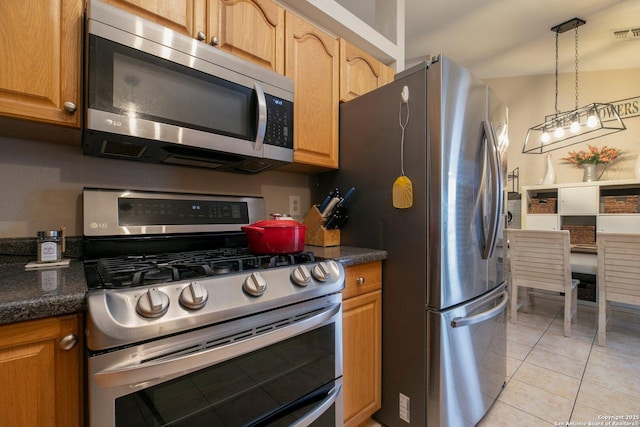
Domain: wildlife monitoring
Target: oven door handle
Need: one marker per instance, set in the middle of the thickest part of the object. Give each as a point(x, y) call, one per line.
point(319, 409)
point(142, 375)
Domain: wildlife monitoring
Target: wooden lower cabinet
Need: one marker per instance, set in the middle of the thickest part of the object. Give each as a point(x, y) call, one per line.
point(362, 342)
point(42, 379)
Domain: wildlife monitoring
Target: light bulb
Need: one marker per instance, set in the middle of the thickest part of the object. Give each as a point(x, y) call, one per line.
point(575, 126)
point(592, 121)
point(545, 137)
point(559, 133)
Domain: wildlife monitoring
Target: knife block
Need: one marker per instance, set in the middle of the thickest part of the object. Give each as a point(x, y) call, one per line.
point(316, 234)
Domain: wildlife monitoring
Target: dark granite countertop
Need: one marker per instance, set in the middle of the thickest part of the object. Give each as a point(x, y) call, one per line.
point(33, 294)
point(348, 255)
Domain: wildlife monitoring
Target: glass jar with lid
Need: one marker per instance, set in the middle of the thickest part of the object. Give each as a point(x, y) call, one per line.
point(49, 246)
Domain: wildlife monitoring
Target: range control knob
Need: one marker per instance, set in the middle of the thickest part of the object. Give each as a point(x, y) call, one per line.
point(301, 275)
point(153, 303)
point(254, 285)
point(194, 296)
point(324, 270)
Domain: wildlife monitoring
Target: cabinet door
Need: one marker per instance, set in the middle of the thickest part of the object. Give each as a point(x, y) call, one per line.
point(42, 381)
point(184, 16)
point(361, 337)
point(312, 59)
point(251, 29)
point(359, 72)
point(41, 61)
point(578, 200)
point(541, 222)
point(619, 223)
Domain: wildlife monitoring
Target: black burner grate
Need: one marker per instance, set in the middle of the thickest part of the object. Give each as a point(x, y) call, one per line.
point(131, 271)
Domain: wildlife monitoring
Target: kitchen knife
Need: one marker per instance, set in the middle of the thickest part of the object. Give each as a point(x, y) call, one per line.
point(323, 205)
point(326, 212)
point(346, 197)
point(337, 219)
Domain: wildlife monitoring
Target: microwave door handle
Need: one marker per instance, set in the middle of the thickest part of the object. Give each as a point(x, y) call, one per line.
point(262, 118)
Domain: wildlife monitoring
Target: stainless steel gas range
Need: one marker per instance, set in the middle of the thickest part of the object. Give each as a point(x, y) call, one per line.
point(185, 327)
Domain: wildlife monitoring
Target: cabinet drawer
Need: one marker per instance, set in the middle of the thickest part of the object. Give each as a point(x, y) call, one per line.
point(362, 278)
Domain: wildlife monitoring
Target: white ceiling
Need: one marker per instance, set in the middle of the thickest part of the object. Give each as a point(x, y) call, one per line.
point(502, 38)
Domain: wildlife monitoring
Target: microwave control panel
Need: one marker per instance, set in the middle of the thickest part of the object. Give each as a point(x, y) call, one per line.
point(279, 130)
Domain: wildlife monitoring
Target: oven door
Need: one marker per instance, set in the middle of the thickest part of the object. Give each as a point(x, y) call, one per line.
point(279, 368)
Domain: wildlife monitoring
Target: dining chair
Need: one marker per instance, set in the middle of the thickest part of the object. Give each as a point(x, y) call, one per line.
point(618, 275)
point(541, 259)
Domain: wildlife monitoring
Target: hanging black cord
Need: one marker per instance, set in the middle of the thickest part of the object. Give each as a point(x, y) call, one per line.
point(576, 68)
point(556, 102)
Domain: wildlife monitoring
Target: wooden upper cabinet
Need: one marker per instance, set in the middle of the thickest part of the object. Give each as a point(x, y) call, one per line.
point(360, 72)
point(250, 29)
point(40, 55)
point(312, 61)
point(184, 16)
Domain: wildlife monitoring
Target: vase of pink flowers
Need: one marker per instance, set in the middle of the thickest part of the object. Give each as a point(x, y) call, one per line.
point(590, 159)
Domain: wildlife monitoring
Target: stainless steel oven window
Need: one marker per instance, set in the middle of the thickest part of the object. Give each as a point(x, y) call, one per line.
point(282, 367)
point(127, 81)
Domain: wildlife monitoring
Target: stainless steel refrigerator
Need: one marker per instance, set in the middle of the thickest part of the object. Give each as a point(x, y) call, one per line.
point(443, 296)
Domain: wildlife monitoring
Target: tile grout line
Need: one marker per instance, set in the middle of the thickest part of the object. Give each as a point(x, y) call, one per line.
point(525, 358)
point(534, 345)
point(575, 401)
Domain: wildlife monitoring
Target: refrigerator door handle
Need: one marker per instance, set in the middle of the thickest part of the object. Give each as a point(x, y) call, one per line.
point(481, 317)
point(496, 180)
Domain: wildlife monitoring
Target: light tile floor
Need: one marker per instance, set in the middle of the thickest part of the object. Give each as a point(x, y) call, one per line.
point(553, 380)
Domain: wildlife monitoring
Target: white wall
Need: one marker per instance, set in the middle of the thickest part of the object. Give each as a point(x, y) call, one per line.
point(530, 98)
point(41, 185)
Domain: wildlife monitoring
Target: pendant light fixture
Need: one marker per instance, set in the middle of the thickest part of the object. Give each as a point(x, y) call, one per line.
point(560, 130)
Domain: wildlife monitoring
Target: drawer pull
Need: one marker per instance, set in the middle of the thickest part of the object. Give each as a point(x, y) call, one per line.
point(360, 280)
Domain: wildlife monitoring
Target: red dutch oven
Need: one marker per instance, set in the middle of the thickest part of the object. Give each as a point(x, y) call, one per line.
point(280, 235)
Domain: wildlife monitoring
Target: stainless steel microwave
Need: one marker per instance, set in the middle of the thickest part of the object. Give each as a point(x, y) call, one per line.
point(155, 95)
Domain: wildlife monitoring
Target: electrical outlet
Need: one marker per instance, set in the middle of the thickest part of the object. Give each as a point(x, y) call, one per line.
point(294, 206)
point(405, 408)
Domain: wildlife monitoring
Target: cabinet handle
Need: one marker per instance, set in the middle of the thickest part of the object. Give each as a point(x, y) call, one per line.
point(215, 41)
point(70, 107)
point(360, 280)
point(200, 35)
point(68, 342)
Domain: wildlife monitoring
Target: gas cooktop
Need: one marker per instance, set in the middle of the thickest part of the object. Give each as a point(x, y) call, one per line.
point(140, 270)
